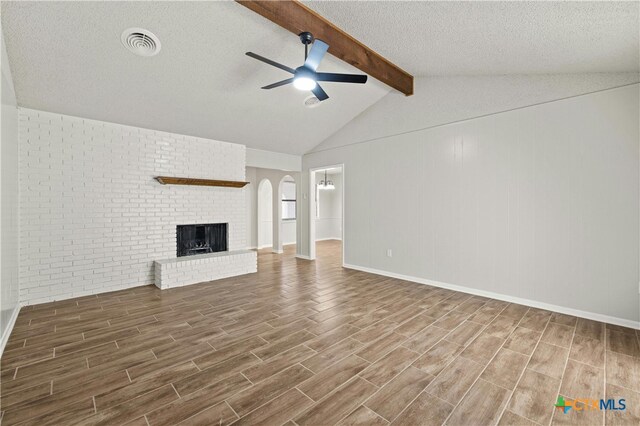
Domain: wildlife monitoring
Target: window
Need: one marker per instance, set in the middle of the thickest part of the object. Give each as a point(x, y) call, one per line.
point(288, 200)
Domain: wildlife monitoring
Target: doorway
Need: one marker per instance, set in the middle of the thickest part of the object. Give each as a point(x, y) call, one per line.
point(326, 218)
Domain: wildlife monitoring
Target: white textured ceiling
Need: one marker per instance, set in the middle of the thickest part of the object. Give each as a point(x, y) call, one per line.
point(494, 38)
point(66, 57)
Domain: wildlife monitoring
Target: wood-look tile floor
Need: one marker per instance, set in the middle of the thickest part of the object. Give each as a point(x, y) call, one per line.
point(310, 343)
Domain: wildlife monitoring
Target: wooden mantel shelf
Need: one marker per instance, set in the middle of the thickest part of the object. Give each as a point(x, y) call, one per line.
point(166, 180)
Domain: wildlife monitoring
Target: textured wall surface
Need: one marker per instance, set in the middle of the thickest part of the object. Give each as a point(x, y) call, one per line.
point(264, 220)
point(92, 217)
point(539, 203)
point(9, 282)
point(443, 100)
point(251, 202)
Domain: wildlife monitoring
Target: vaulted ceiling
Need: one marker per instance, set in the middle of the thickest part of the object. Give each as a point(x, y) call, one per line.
point(447, 38)
point(66, 57)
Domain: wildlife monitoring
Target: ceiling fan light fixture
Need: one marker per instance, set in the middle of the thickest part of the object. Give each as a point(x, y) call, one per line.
point(306, 77)
point(304, 83)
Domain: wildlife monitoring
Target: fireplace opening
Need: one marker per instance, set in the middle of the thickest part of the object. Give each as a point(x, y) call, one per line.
point(201, 239)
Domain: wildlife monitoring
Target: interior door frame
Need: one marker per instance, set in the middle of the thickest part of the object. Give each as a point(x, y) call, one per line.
point(312, 209)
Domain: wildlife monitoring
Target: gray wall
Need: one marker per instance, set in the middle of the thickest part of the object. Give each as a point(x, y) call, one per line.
point(440, 100)
point(251, 202)
point(539, 203)
point(9, 290)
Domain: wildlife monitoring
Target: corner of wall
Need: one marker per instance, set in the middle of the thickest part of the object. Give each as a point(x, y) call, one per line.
point(273, 160)
point(445, 100)
point(9, 195)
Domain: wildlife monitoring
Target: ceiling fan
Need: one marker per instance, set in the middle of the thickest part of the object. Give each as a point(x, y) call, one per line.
point(306, 77)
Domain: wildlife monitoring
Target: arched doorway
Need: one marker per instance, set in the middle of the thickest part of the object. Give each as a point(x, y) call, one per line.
point(265, 214)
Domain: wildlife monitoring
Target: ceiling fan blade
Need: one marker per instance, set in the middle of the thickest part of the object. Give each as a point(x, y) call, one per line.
point(318, 49)
point(278, 84)
point(320, 94)
point(341, 78)
point(270, 62)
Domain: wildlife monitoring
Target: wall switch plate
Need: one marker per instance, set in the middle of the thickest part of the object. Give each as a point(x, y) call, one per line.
point(389, 253)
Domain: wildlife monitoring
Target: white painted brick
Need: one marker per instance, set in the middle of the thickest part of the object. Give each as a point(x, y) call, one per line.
point(194, 269)
point(93, 219)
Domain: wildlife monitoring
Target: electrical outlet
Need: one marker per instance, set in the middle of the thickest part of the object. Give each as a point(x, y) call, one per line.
point(389, 253)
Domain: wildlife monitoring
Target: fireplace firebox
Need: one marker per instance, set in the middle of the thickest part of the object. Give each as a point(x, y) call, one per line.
point(201, 239)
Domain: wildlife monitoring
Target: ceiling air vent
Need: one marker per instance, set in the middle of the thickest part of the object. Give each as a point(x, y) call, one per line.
point(311, 102)
point(140, 41)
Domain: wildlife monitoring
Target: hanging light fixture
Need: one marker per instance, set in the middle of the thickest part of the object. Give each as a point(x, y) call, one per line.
point(325, 183)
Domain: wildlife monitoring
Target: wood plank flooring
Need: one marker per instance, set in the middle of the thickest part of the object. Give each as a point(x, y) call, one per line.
point(310, 343)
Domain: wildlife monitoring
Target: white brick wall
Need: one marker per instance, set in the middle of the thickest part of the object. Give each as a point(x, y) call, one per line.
point(92, 217)
point(187, 270)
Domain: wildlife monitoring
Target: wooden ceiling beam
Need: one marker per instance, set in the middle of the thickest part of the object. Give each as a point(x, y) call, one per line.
point(296, 17)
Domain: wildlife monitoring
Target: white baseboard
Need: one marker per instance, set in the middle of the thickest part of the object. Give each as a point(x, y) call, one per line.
point(328, 239)
point(269, 246)
point(277, 251)
point(9, 327)
point(302, 256)
point(512, 299)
